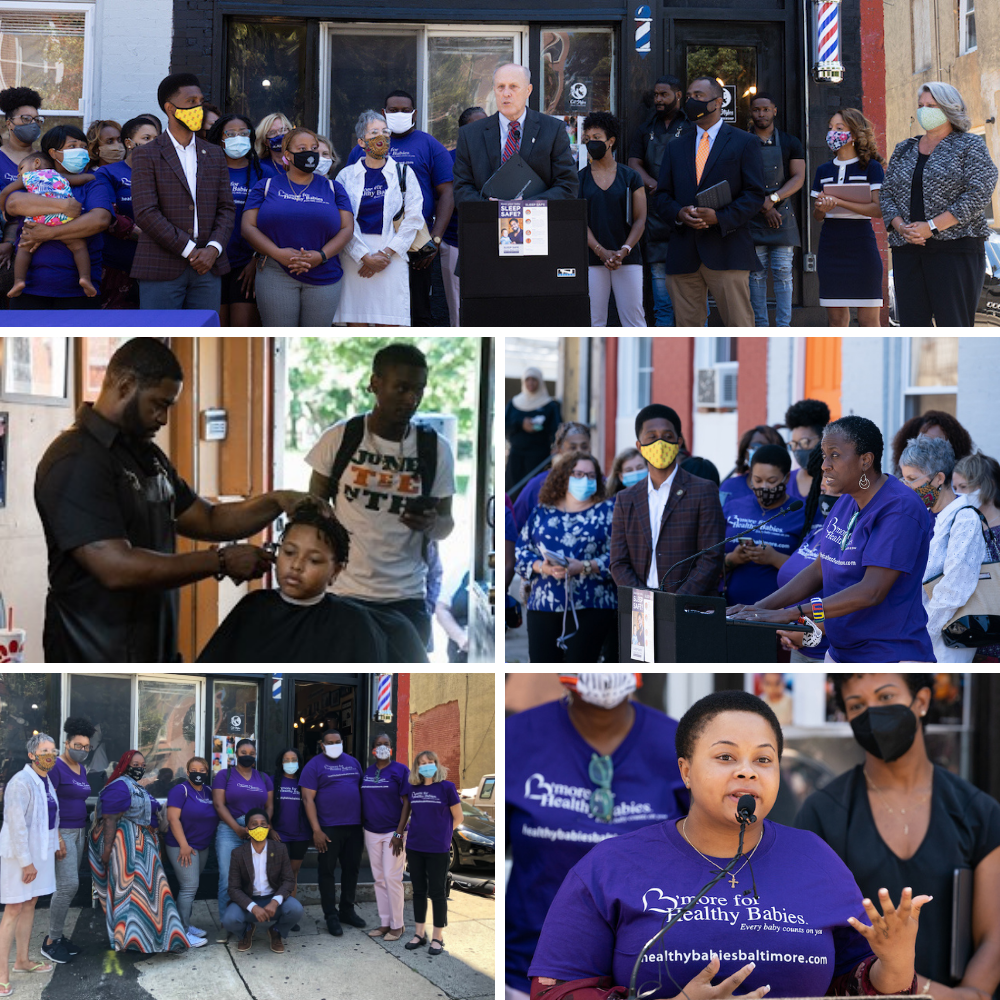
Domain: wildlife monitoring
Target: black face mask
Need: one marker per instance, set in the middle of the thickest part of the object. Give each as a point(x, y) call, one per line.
point(886, 732)
point(135, 772)
point(247, 761)
point(306, 161)
point(197, 777)
point(597, 149)
point(696, 110)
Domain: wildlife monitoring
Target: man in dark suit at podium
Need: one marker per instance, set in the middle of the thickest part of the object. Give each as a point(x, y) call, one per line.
point(540, 140)
point(667, 517)
point(710, 249)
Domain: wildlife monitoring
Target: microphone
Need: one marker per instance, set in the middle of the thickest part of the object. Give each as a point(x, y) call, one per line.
point(793, 506)
point(745, 809)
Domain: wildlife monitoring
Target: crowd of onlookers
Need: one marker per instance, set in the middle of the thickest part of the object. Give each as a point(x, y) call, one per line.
point(883, 564)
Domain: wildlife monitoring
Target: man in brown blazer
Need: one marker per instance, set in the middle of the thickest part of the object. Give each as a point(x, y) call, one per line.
point(667, 517)
point(261, 883)
point(183, 206)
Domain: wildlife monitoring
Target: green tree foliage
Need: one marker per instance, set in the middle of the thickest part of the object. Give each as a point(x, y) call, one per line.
point(328, 378)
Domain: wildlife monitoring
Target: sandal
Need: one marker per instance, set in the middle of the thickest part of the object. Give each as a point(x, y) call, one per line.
point(416, 943)
point(41, 967)
point(435, 951)
point(5, 990)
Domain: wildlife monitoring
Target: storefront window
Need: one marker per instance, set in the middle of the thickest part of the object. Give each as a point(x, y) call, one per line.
point(321, 707)
point(735, 67)
point(168, 722)
point(577, 55)
point(234, 718)
point(43, 48)
point(266, 69)
point(933, 383)
point(107, 703)
point(26, 702)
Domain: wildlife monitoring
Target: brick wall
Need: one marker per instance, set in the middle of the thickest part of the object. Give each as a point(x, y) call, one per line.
point(192, 43)
point(438, 729)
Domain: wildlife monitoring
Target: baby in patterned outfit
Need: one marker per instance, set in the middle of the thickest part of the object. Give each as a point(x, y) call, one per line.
point(36, 175)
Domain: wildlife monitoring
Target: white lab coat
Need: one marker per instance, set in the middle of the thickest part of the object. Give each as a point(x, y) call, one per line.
point(25, 838)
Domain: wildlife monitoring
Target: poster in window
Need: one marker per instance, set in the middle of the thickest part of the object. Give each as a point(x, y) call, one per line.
point(947, 707)
point(35, 370)
point(94, 354)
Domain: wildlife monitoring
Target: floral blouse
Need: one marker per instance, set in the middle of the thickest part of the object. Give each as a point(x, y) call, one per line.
point(584, 535)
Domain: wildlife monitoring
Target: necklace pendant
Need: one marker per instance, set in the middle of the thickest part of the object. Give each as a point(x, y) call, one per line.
point(732, 880)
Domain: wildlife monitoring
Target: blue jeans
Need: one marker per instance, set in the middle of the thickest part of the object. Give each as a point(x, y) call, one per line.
point(190, 290)
point(225, 843)
point(779, 259)
point(663, 308)
point(238, 921)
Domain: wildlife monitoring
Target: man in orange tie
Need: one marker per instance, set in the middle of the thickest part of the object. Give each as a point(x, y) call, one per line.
point(711, 249)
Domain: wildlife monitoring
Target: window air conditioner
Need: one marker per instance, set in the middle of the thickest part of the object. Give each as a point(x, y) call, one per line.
point(717, 386)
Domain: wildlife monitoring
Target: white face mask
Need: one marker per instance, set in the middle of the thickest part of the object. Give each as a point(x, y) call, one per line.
point(333, 750)
point(325, 162)
point(605, 690)
point(383, 753)
point(400, 121)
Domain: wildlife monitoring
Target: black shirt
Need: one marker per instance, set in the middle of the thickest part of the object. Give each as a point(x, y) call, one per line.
point(964, 828)
point(95, 484)
point(265, 628)
point(609, 213)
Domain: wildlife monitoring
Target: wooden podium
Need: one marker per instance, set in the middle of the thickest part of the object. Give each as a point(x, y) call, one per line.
point(690, 629)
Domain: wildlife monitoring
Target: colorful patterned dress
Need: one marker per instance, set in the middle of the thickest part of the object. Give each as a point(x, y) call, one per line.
point(48, 184)
point(139, 910)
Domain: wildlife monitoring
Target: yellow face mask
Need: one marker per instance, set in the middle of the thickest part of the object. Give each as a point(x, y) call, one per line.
point(193, 118)
point(659, 454)
point(258, 834)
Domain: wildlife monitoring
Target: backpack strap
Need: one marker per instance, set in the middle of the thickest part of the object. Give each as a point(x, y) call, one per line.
point(354, 432)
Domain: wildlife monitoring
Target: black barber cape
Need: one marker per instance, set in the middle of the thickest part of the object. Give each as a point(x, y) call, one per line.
point(95, 484)
point(265, 628)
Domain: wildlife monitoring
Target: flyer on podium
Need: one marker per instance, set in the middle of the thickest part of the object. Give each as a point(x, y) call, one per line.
point(524, 229)
point(642, 626)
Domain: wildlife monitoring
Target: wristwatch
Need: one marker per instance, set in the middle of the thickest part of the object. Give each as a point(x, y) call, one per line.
point(626, 248)
point(586, 566)
point(436, 240)
point(775, 198)
point(930, 222)
point(397, 836)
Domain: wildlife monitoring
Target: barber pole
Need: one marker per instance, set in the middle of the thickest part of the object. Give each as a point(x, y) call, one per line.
point(383, 697)
point(828, 67)
point(643, 30)
point(276, 687)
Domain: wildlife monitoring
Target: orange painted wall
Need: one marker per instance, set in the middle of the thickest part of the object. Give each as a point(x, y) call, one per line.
point(822, 378)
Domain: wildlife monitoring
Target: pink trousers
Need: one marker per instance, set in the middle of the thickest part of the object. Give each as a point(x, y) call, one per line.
point(388, 872)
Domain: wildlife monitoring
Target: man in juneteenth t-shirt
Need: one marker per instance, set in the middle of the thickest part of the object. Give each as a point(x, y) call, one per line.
point(380, 496)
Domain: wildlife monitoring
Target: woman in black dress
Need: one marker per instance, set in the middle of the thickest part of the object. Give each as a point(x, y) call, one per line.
point(532, 419)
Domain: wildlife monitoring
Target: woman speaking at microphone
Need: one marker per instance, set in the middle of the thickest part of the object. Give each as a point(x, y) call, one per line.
point(789, 921)
point(872, 554)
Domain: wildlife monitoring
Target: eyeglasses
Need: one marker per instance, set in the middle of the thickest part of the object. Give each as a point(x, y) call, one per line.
point(271, 134)
point(383, 132)
point(806, 443)
point(28, 120)
point(602, 799)
point(228, 134)
point(582, 475)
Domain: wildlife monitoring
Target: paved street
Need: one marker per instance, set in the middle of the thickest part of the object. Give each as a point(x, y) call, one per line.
point(315, 966)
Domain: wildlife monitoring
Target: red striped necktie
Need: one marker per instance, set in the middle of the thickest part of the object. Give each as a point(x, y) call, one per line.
point(513, 142)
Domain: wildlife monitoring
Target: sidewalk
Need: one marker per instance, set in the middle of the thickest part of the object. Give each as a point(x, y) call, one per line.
point(315, 965)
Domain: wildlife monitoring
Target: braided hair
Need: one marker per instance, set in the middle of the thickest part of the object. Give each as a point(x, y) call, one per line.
point(814, 468)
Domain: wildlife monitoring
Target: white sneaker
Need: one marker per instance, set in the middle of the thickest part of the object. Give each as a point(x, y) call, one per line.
point(197, 942)
point(196, 932)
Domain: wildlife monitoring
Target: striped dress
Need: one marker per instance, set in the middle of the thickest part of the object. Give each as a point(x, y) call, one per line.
point(139, 910)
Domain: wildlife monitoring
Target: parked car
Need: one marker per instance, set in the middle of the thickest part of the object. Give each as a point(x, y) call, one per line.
point(988, 309)
point(474, 842)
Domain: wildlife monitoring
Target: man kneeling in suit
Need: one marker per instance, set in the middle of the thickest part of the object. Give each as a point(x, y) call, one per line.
point(260, 886)
point(668, 516)
point(541, 141)
point(710, 248)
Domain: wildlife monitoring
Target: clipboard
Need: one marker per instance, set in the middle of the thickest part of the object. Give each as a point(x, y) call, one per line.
point(961, 921)
point(513, 180)
point(860, 194)
point(717, 196)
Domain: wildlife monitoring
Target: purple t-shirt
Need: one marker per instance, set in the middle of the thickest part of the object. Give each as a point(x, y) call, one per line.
point(734, 488)
point(431, 162)
point(119, 254)
point(805, 555)
point(430, 816)
point(548, 798)
point(621, 893)
point(893, 532)
point(271, 169)
point(337, 784)
point(116, 798)
point(73, 791)
point(750, 582)
point(291, 216)
point(291, 824)
point(8, 169)
point(53, 271)
point(238, 250)
point(382, 794)
point(198, 816)
point(241, 794)
point(372, 205)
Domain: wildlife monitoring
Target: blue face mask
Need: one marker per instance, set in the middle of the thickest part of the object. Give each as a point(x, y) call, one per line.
point(582, 489)
point(290, 767)
point(237, 146)
point(427, 770)
point(75, 160)
point(637, 476)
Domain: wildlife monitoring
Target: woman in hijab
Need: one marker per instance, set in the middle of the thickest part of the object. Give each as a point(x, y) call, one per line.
point(532, 418)
point(140, 913)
